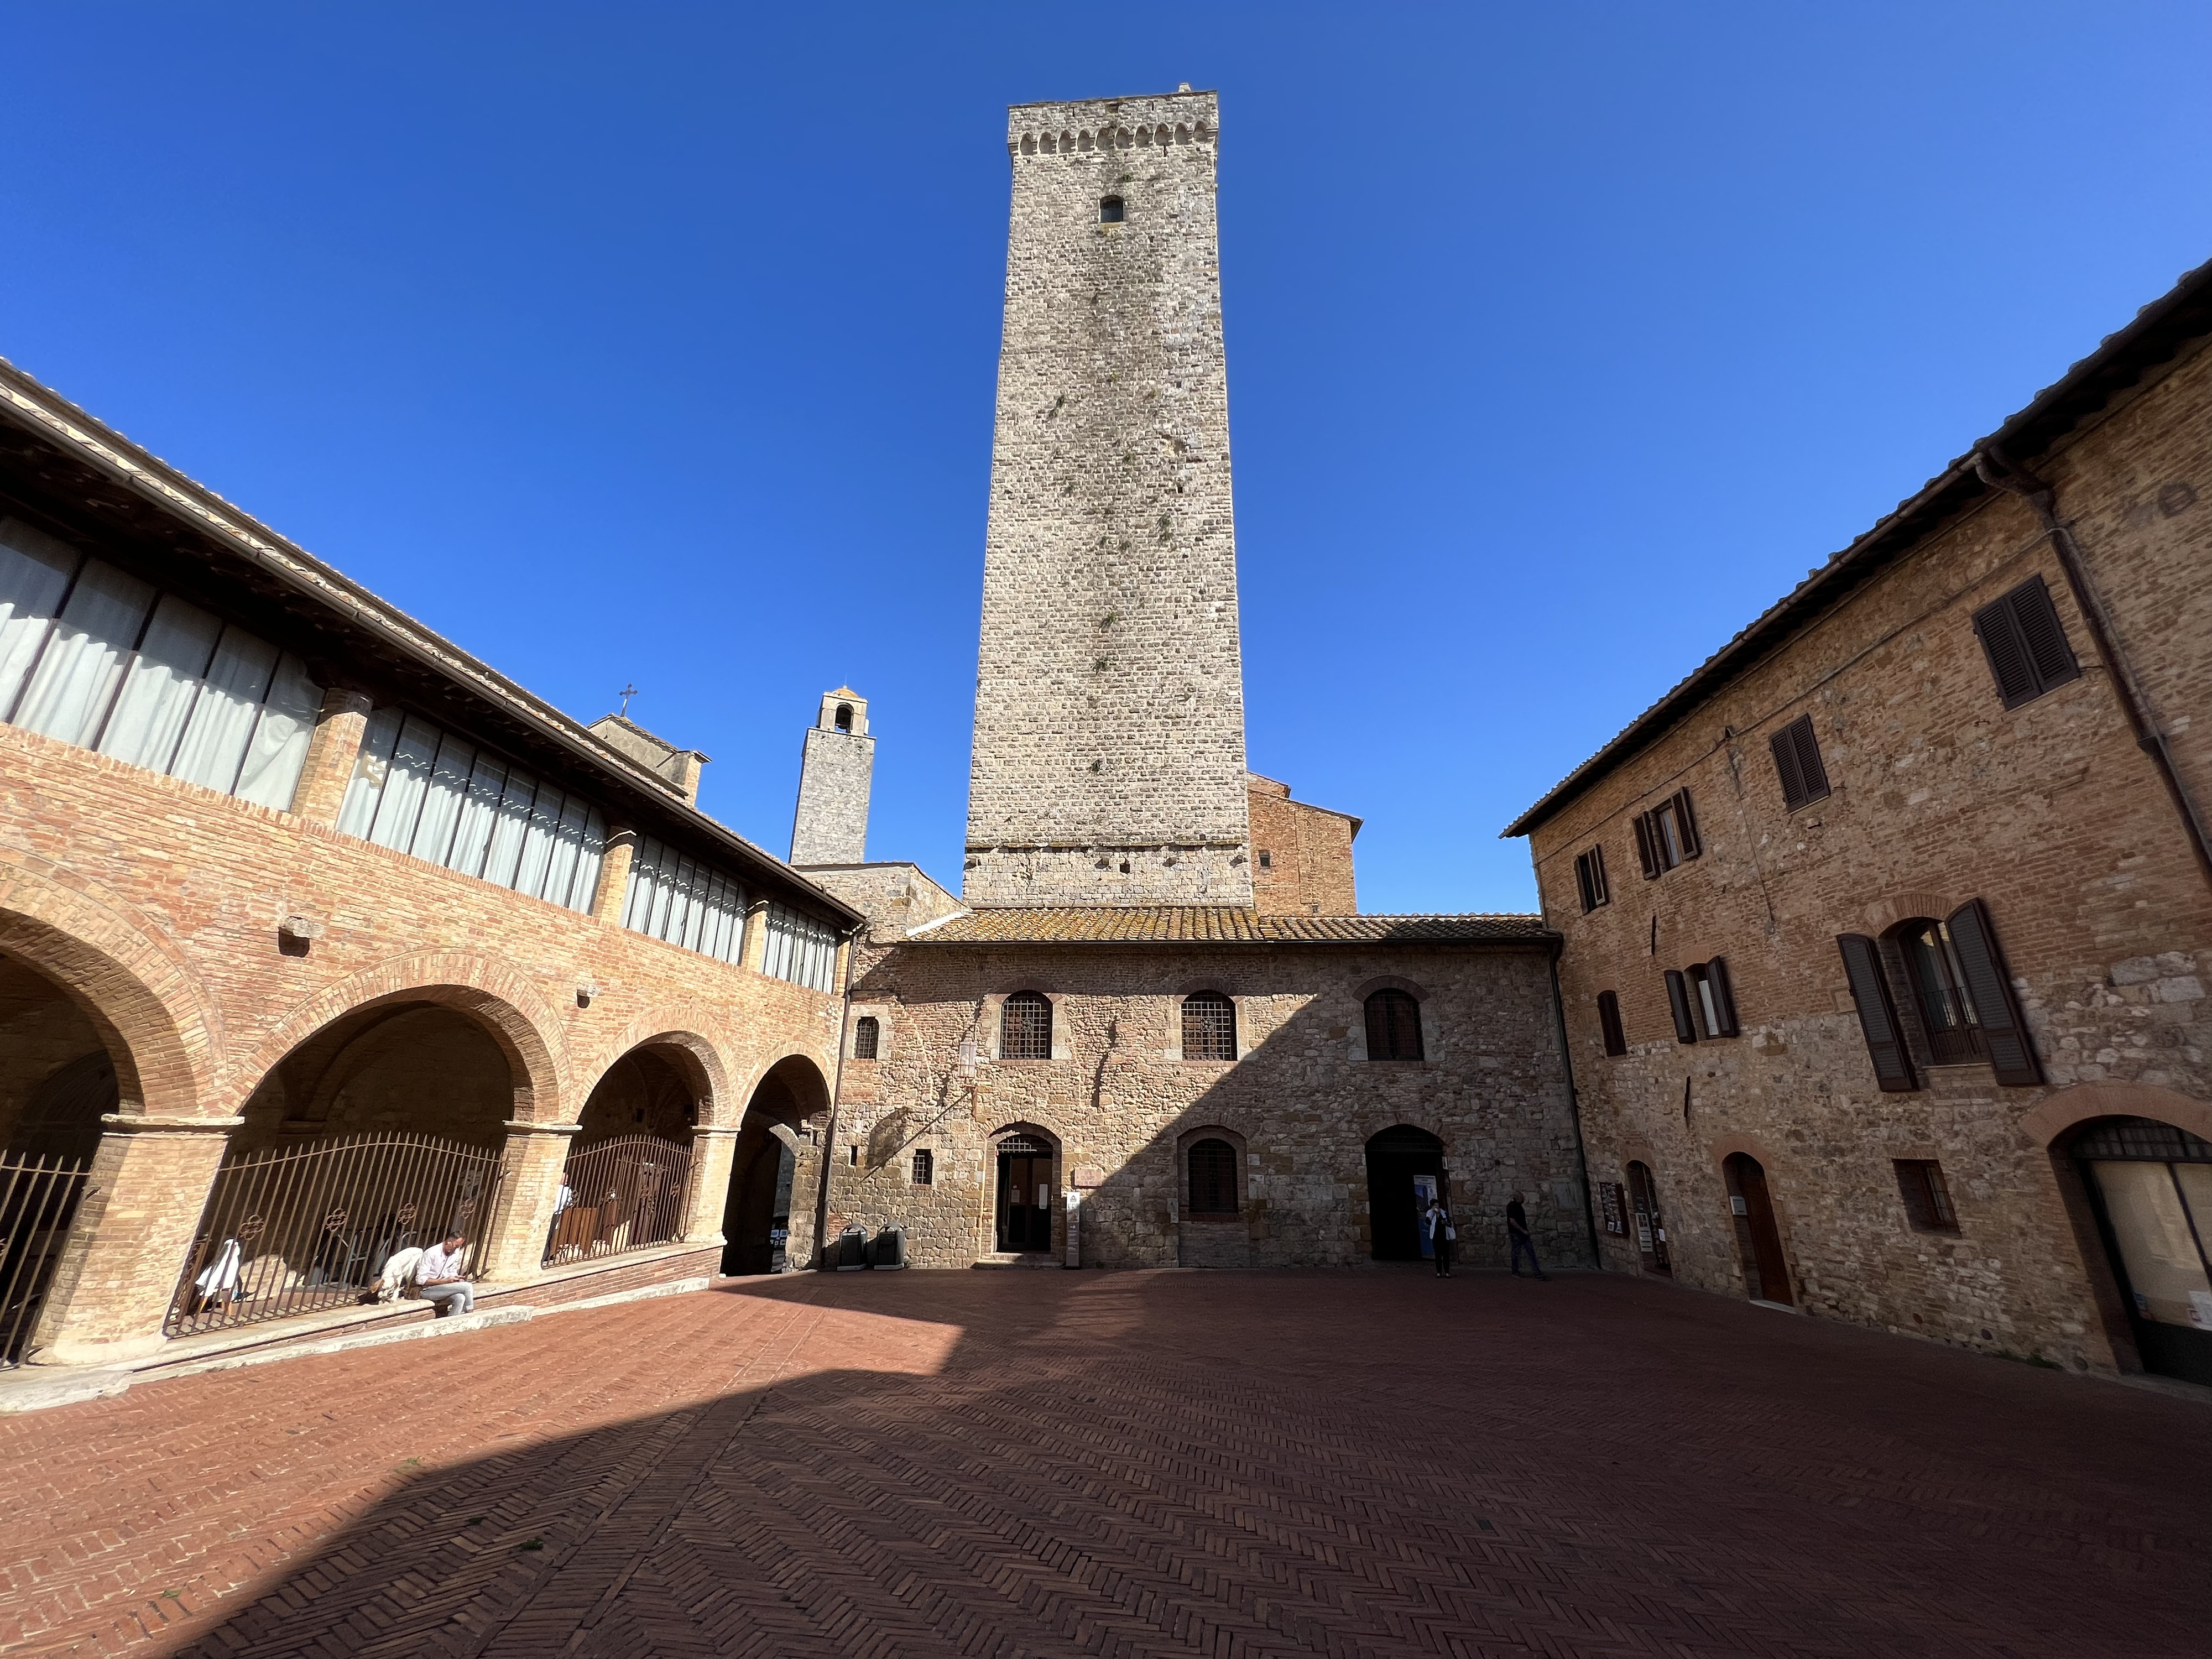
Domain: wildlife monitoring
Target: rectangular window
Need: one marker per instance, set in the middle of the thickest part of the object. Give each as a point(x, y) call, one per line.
point(1678, 1003)
point(1612, 1205)
point(1590, 879)
point(100, 659)
point(2025, 643)
point(421, 790)
point(1798, 760)
point(1927, 1199)
point(1666, 836)
point(800, 948)
point(678, 900)
point(1608, 1023)
point(1712, 999)
point(925, 1168)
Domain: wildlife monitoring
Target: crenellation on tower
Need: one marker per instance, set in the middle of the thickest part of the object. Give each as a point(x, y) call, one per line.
point(1109, 761)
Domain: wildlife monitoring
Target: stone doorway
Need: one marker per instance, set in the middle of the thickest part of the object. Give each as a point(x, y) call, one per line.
point(1400, 1160)
point(1650, 1225)
point(2151, 1186)
point(1025, 1190)
point(1765, 1271)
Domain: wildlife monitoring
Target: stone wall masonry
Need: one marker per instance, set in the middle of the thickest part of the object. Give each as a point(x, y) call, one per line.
point(1110, 716)
point(2047, 812)
point(1121, 1103)
point(158, 903)
point(1309, 869)
point(831, 825)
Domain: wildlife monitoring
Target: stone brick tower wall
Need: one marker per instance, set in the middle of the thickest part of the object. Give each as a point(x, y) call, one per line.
point(1109, 763)
point(831, 824)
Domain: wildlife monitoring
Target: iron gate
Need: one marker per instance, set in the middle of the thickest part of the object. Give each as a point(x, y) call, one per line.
point(295, 1229)
point(39, 1196)
point(618, 1195)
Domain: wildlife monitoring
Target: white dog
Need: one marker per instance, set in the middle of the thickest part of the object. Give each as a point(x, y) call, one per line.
point(392, 1283)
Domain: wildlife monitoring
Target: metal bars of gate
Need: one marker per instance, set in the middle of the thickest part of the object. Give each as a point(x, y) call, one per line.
point(297, 1230)
point(618, 1195)
point(39, 1196)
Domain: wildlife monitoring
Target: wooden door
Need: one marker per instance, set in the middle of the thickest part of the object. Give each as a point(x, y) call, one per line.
point(1650, 1225)
point(1766, 1274)
point(1025, 1201)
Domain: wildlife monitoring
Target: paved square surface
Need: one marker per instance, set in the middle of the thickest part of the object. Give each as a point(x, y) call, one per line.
point(1049, 1463)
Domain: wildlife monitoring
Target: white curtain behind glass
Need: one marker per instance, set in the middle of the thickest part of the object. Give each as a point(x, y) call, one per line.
point(423, 791)
point(99, 659)
point(682, 900)
point(800, 948)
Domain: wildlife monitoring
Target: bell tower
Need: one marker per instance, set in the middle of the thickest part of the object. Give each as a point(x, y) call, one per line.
point(835, 771)
point(1109, 759)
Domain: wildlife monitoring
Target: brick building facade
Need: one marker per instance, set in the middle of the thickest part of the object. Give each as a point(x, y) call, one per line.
point(282, 872)
point(1937, 816)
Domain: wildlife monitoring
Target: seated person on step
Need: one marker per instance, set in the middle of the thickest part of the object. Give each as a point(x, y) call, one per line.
point(439, 1277)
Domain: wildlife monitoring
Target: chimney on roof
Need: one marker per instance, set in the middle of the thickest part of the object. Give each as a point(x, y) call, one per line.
point(680, 767)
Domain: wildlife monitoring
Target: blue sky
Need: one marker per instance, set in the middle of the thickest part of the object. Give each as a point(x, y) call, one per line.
point(658, 342)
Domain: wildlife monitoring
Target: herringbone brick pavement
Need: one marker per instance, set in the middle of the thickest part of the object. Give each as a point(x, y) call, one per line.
point(1045, 1464)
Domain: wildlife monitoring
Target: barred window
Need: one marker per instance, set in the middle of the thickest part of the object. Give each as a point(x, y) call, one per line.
point(1394, 1026)
point(1025, 1027)
point(1214, 1178)
point(1927, 1199)
point(925, 1168)
point(1209, 1026)
point(867, 1034)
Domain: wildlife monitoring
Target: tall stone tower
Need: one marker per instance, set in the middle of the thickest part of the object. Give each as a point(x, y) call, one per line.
point(1109, 763)
point(831, 824)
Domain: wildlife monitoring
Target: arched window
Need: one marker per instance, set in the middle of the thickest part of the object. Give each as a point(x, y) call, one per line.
point(1936, 983)
point(1209, 1026)
point(867, 1033)
point(925, 1168)
point(1110, 211)
point(844, 717)
point(1025, 1027)
point(1214, 1178)
point(1394, 1026)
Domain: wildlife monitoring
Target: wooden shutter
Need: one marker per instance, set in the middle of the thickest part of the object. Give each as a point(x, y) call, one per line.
point(1608, 1021)
point(1678, 999)
point(2004, 1033)
point(1647, 847)
point(1893, 1066)
point(2025, 643)
point(1716, 980)
point(1798, 760)
point(1597, 875)
point(1688, 822)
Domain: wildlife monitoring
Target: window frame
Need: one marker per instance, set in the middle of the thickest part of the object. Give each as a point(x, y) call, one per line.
point(867, 1037)
point(922, 1172)
point(1223, 1042)
point(1380, 997)
point(1712, 999)
point(1611, 1032)
point(2025, 643)
point(1591, 885)
point(1042, 1025)
point(1666, 836)
point(1929, 1206)
point(1231, 1162)
point(1798, 766)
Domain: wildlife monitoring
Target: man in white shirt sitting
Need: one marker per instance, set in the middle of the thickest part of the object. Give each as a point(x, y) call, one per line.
point(439, 1277)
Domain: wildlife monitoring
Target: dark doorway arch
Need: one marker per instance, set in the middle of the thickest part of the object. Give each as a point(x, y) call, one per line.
point(2150, 1186)
point(1027, 1184)
point(1757, 1239)
point(56, 1077)
point(1402, 1163)
point(756, 1214)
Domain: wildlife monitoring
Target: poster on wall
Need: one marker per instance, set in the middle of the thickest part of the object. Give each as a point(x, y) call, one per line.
point(1425, 1193)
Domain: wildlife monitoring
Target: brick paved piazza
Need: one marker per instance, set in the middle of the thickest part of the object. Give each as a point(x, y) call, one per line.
point(1045, 1463)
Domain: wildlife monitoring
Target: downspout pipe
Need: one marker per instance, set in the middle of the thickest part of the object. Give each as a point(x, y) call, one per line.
point(1999, 471)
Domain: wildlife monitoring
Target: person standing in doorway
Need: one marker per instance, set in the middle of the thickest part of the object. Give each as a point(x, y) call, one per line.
point(1524, 1241)
point(1442, 1235)
point(439, 1276)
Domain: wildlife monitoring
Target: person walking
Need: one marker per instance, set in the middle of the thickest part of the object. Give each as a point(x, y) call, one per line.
point(1441, 1236)
point(1524, 1241)
point(439, 1277)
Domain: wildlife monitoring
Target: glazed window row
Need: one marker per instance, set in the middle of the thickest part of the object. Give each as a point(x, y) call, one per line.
point(1393, 1019)
point(2025, 644)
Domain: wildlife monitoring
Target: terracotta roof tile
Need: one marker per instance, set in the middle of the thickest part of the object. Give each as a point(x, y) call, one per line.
point(1217, 924)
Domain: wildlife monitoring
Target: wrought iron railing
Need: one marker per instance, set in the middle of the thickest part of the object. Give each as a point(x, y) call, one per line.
point(296, 1230)
point(618, 1195)
point(39, 1196)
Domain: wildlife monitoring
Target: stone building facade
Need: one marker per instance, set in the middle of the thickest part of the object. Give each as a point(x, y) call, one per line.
point(1939, 816)
point(1154, 1031)
point(281, 871)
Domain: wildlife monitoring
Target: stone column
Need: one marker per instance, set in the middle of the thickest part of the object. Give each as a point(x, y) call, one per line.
point(614, 876)
point(331, 756)
point(146, 1192)
point(713, 1148)
point(535, 1155)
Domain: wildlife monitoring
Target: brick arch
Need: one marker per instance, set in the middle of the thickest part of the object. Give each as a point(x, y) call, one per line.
point(817, 1082)
point(1721, 1148)
point(492, 992)
point(694, 1033)
point(1412, 987)
point(2048, 1123)
point(1885, 913)
point(114, 962)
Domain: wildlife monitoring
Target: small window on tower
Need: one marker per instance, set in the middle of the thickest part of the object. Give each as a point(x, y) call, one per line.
point(844, 717)
point(867, 1036)
point(1267, 860)
point(1110, 210)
